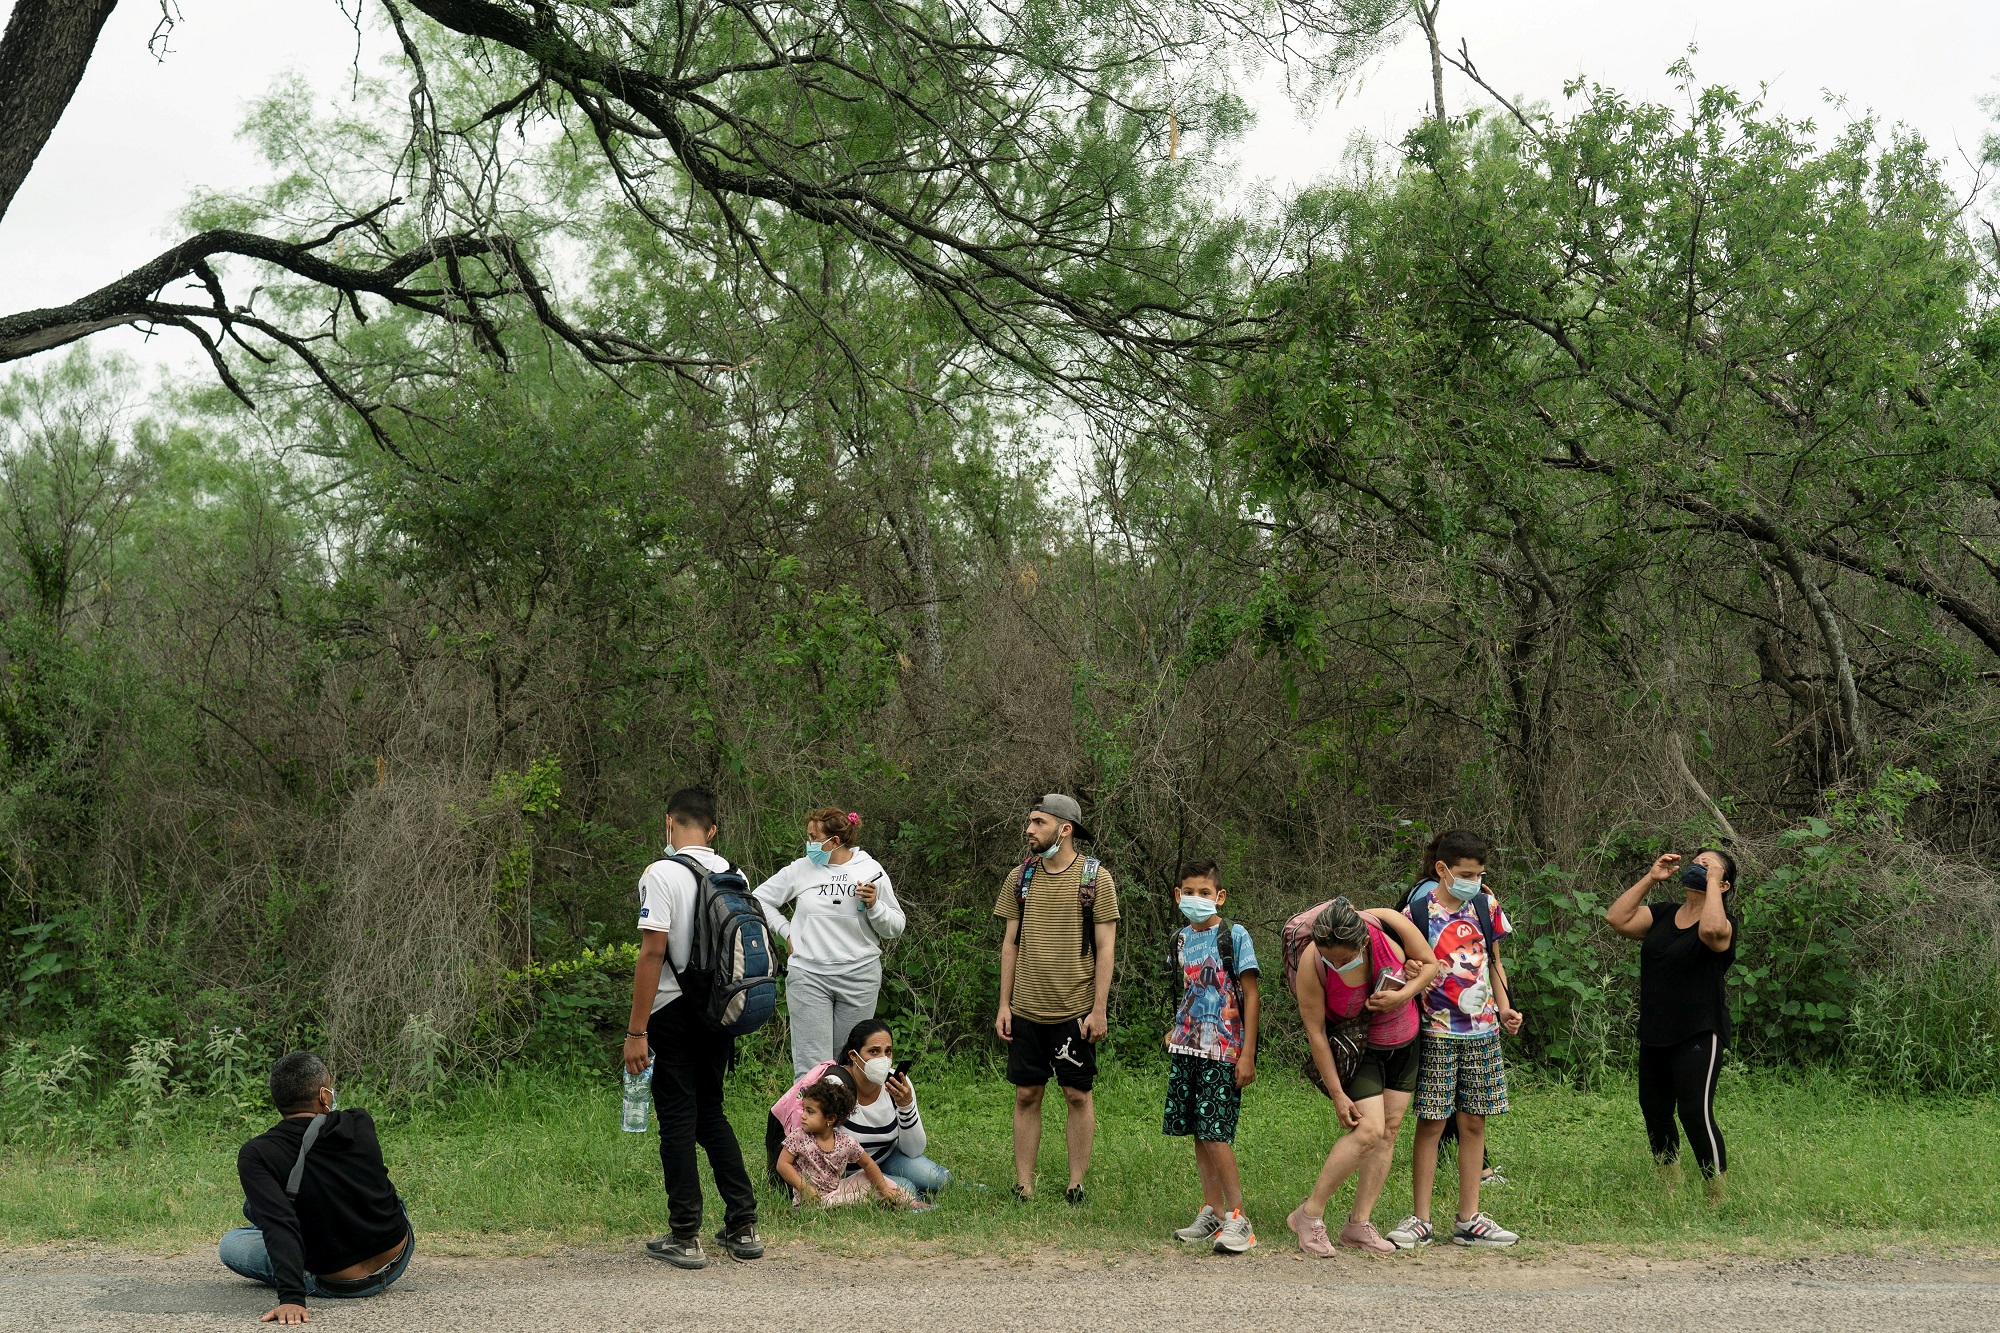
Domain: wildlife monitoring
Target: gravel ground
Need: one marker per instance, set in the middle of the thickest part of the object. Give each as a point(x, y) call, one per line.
point(801, 1288)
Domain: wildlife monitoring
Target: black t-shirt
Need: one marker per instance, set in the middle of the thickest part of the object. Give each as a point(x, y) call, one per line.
point(1681, 992)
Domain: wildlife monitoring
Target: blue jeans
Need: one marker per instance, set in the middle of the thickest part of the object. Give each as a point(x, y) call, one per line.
point(243, 1253)
point(918, 1175)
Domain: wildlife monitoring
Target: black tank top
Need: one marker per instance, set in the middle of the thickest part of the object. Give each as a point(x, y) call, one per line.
point(1681, 992)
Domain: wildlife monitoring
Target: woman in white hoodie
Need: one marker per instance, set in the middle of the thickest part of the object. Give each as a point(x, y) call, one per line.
point(844, 909)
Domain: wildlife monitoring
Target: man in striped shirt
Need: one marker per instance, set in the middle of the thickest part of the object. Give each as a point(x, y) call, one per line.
point(1055, 983)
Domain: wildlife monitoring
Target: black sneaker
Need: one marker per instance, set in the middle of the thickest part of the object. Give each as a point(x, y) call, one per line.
point(1021, 1195)
point(743, 1243)
point(1074, 1196)
point(680, 1253)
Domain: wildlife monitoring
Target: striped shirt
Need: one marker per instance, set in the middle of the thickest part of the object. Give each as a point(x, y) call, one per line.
point(1054, 979)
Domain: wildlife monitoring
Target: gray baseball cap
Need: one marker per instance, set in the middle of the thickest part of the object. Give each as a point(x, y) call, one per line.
point(1066, 809)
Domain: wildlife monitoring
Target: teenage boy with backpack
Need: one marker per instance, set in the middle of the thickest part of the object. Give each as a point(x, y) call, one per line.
point(683, 900)
point(1465, 1011)
point(1213, 1042)
point(1056, 955)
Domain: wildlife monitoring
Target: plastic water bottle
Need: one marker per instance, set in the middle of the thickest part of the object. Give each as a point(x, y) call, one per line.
point(638, 1099)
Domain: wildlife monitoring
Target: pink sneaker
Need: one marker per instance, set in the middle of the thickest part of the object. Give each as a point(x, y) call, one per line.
point(1311, 1232)
point(1364, 1236)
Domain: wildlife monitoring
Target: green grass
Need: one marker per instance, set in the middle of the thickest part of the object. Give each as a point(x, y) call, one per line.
point(528, 1164)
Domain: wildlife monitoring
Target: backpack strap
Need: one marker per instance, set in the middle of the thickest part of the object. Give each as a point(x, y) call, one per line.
point(1482, 906)
point(1086, 901)
point(297, 1178)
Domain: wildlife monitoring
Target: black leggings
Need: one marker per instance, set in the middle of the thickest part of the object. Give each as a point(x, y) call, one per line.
point(1682, 1078)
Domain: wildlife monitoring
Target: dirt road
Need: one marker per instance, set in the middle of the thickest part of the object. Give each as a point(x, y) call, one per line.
point(799, 1288)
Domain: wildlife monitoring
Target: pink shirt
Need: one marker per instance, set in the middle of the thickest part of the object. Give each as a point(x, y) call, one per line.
point(1385, 969)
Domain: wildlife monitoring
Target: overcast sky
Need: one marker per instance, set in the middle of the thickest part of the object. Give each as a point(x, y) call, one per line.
point(142, 133)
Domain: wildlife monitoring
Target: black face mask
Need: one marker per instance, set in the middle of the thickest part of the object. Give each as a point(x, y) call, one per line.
point(1695, 877)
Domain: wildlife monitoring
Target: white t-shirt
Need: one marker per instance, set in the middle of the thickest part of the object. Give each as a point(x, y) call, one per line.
point(666, 902)
point(828, 930)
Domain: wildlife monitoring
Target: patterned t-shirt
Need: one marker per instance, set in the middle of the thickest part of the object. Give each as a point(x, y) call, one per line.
point(1461, 1004)
point(1209, 1023)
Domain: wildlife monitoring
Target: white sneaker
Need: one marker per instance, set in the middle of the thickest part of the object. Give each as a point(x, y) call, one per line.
point(1480, 1229)
point(1206, 1223)
point(1410, 1233)
point(1236, 1235)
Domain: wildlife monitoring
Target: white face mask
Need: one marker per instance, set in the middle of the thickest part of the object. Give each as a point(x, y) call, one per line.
point(878, 1069)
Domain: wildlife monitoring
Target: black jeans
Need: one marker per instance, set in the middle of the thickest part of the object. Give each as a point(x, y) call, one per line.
point(689, 1060)
point(1682, 1078)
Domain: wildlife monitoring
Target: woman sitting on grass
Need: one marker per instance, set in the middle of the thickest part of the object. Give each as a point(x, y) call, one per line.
point(1685, 950)
point(884, 1120)
point(1378, 962)
point(818, 1154)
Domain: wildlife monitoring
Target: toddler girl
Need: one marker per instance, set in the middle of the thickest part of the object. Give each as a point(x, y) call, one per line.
point(817, 1154)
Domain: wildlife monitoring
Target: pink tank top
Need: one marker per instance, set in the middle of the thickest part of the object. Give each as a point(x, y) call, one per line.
point(1385, 968)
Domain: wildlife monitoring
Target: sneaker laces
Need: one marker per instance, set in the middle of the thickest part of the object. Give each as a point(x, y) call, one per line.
point(1367, 1229)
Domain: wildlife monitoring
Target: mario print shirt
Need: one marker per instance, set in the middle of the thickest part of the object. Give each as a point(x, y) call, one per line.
point(1209, 1023)
point(1461, 1004)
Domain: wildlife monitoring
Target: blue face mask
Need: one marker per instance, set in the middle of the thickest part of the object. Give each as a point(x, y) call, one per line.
point(332, 1101)
point(1048, 853)
point(1695, 877)
point(1465, 890)
point(1359, 959)
point(818, 853)
point(1196, 909)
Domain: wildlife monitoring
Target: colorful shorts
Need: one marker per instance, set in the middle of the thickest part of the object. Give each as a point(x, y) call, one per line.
point(1461, 1074)
point(1202, 1099)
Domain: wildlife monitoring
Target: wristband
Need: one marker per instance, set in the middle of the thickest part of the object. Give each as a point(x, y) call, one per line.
point(635, 1034)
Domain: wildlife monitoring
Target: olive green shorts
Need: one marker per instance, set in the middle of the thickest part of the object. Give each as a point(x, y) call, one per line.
point(1391, 1070)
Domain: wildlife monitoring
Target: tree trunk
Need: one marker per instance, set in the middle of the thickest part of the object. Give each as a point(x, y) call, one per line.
point(1831, 640)
point(1427, 16)
point(47, 47)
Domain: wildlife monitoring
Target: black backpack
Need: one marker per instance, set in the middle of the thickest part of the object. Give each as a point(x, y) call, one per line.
point(732, 971)
point(1086, 899)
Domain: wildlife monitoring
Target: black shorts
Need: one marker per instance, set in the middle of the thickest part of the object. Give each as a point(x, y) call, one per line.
point(1041, 1051)
point(1392, 1070)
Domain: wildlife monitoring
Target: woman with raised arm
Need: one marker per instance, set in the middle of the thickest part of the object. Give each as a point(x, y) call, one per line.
point(1685, 950)
point(843, 910)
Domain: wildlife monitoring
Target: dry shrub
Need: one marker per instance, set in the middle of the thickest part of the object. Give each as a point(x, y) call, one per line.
point(412, 937)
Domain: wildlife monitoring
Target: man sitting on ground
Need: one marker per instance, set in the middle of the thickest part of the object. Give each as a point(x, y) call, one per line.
point(325, 1219)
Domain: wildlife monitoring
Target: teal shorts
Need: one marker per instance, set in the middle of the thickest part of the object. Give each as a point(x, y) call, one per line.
point(1202, 1099)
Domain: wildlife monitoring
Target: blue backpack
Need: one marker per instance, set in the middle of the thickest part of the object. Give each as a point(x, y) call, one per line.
point(732, 971)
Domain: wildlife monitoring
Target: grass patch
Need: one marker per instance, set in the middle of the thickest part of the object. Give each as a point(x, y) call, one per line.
point(530, 1163)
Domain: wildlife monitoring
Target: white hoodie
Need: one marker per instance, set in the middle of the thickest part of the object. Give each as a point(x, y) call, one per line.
point(829, 932)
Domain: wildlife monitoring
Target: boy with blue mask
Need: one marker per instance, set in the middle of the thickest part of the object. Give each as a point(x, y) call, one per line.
point(1462, 1073)
point(1213, 1043)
